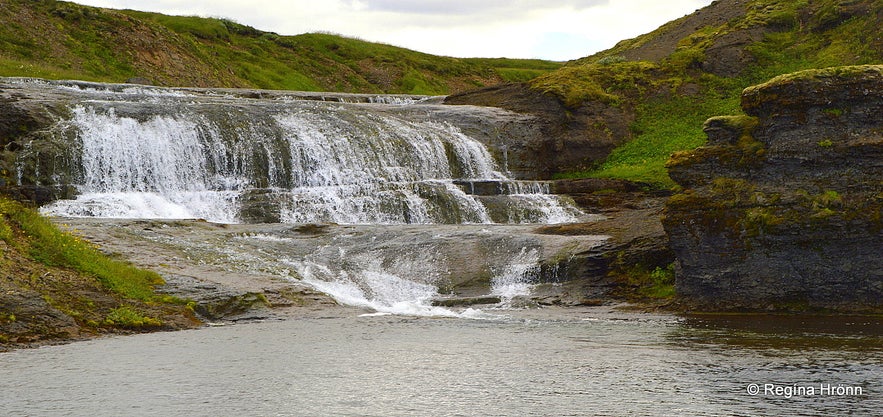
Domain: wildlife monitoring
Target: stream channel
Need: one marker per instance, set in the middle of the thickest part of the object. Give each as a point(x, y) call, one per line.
point(375, 211)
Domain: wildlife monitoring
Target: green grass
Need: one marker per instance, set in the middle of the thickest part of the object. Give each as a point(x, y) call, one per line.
point(663, 126)
point(129, 317)
point(46, 243)
point(797, 36)
point(55, 39)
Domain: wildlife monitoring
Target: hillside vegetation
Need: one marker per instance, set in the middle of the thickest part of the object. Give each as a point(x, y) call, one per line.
point(57, 286)
point(693, 68)
point(61, 40)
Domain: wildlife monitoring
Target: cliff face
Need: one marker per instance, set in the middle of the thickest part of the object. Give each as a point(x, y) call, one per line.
point(782, 208)
point(563, 140)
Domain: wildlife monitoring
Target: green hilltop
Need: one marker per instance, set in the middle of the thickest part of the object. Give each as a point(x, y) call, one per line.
point(62, 40)
point(673, 79)
point(666, 83)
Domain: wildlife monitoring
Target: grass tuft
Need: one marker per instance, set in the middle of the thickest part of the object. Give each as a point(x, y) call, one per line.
point(128, 317)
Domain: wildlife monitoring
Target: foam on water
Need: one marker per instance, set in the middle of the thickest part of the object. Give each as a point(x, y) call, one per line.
point(370, 281)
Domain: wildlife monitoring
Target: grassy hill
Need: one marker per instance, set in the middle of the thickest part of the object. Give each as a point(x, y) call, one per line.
point(668, 81)
point(676, 77)
point(61, 40)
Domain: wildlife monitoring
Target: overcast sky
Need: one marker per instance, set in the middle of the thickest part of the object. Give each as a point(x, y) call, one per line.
point(548, 29)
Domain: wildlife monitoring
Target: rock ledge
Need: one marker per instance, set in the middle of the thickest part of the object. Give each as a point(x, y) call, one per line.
point(782, 209)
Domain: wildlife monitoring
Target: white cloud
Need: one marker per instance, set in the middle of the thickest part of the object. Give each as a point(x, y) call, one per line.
point(550, 29)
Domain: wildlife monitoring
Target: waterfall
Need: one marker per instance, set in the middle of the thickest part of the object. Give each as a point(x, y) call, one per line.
point(292, 161)
point(142, 152)
point(408, 280)
point(517, 276)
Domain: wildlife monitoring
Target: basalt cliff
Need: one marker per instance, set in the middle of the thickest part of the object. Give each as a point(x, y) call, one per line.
point(782, 209)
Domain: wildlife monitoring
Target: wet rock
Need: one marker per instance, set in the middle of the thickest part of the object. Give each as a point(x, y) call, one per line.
point(25, 317)
point(552, 138)
point(214, 301)
point(465, 301)
point(139, 80)
point(262, 206)
point(782, 209)
point(635, 239)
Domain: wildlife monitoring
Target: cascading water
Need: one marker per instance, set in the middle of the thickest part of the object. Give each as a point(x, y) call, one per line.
point(516, 276)
point(406, 280)
point(157, 153)
point(296, 162)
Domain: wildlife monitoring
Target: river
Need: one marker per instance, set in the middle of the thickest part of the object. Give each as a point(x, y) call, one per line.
point(538, 362)
point(388, 208)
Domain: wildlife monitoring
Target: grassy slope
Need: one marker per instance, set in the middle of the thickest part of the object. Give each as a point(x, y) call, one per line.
point(90, 292)
point(673, 96)
point(54, 39)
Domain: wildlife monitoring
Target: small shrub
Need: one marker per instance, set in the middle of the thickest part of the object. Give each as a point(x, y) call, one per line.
point(662, 283)
point(611, 59)
point(127, 317)
point(656, 284)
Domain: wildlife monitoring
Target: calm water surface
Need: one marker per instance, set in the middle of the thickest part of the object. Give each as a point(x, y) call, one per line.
point(529, 363)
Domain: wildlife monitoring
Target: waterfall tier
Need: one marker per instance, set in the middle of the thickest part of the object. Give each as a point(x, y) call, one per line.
point(159, 153)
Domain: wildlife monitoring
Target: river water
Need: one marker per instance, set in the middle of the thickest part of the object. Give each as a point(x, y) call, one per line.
point(537, 362)
point(383, 207)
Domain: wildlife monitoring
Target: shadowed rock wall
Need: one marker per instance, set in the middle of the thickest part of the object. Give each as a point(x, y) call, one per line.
point(782, 209)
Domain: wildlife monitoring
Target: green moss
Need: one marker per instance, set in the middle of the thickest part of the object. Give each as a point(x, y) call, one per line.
point(760, 220)
point(739, 123)
point(825, 204)
point(814, 75)
point(574, 86)
point(609, 83)
point(128, 317)
point(732, 192)
point(834, 113)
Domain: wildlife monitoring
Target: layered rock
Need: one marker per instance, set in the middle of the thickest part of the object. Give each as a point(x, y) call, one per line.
point(553, 138)
point(782, 208)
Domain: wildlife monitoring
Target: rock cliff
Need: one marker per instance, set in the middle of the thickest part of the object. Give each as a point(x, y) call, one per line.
point(782, 209)
point(562, 140)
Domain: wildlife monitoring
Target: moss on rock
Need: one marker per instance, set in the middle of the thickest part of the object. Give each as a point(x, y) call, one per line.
point(769, 218)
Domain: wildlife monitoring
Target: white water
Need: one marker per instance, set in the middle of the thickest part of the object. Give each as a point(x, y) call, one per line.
point(516, 277)
point(153, 153)
point(316, 162)
point(407, 283)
